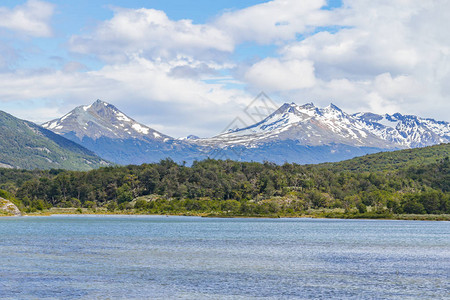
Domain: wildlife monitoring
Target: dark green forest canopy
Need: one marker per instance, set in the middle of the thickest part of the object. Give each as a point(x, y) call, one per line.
point(409, 181)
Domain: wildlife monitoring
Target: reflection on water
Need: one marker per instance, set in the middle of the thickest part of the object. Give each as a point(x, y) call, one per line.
point(187, 257)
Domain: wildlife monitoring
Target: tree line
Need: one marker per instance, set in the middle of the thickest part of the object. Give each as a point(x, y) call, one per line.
point(236, 188)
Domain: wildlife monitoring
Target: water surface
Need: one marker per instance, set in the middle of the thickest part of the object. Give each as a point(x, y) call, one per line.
point(79, 257)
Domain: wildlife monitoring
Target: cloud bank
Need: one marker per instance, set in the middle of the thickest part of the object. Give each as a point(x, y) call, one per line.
point(30, 19)
point(383, 56)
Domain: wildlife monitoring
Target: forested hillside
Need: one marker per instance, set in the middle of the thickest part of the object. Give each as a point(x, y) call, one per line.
point(383, 161)
point(26, 145)
point(418, 182)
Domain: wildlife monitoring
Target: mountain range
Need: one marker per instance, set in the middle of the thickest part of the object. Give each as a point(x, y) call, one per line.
point(293, 133)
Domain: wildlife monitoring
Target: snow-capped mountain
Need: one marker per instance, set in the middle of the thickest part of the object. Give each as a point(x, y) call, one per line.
point(407, 130)
point(307, 124)
point(313, 126)
point(293, 133)
point(102, 119)
point(105, 130)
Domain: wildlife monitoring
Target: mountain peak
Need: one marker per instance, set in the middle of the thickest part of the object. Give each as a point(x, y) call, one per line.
point(100, 104)
point(96, 106)
point(286, 107)
point(101, 119)
point(98, 101)
point(331, 106)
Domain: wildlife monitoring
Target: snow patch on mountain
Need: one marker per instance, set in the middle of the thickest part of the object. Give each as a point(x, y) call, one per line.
point(102, 119)
point(314, 126)
point(407, 130)
point(142, 129)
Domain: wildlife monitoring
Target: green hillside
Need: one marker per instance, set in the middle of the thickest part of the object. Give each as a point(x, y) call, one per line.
point(26, 145)
point(386, 185)
point(384, 161)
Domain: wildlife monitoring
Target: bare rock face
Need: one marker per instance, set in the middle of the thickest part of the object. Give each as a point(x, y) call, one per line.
point(9, 207)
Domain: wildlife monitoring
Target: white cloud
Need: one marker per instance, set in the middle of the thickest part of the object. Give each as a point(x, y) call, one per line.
point(272, 75)
point(273, 21)
point(141, 87)
point(383, 94)
point(30, 19)
point(384, 56)
point(356, 52)
point(152, 34)
point(398, 87)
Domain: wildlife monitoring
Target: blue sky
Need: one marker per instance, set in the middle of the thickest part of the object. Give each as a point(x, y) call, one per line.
point(75, 17)
point(190, 67)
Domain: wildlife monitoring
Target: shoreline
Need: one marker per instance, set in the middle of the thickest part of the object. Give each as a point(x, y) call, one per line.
point(404, 217)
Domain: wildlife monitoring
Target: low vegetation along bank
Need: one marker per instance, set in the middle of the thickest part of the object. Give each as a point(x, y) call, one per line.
point(377, 186)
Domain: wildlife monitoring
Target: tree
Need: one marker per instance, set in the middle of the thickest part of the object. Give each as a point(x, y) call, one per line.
point(230, 206)
point(362, 208)
point(410, 205)
point(124, 194)
point(431, 201)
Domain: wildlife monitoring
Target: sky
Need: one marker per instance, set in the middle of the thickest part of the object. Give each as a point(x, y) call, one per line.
point(191, 67)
